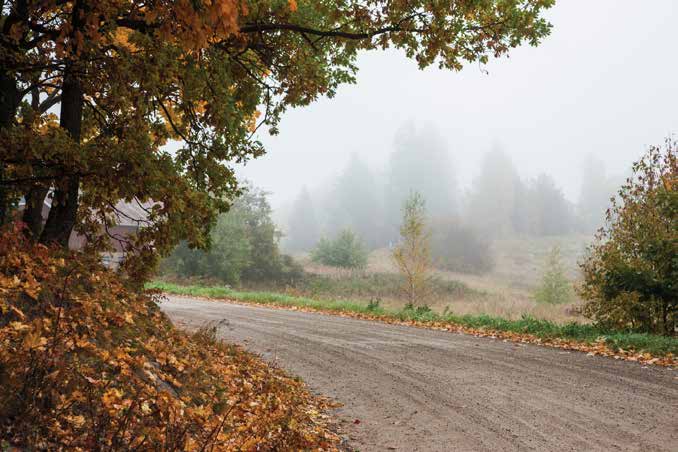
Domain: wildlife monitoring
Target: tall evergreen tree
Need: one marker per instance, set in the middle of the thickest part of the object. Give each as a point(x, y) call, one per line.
point(552, 213)
point(594, 197)
point(303, 228)
point(522, 218)
point(354, 203)
point(493, 195)
point(419, 163)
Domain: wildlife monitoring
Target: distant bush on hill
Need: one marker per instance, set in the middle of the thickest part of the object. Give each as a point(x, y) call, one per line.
point(346, 251)
point(459, 248)
point(555, 288)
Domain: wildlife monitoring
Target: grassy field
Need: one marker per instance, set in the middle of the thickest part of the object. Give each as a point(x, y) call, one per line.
point(506, 291)
point(656, 345)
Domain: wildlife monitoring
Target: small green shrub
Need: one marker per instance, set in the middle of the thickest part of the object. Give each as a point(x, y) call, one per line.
point(555, 288)
point(345, 251)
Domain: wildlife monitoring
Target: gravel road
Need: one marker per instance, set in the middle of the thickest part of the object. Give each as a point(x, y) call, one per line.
point(408, 389)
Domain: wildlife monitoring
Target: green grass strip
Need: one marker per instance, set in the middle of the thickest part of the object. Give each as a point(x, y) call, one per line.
point(640, 342)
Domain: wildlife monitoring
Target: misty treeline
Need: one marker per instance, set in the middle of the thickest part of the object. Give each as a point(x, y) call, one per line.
point(498, 204)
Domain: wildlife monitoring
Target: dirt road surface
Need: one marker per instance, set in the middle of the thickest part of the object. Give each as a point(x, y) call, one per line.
point(413, 389)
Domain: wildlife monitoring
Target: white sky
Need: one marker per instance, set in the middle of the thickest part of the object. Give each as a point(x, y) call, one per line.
point(605, 81)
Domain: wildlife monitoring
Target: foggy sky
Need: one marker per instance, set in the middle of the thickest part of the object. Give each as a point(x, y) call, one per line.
point(604, 82)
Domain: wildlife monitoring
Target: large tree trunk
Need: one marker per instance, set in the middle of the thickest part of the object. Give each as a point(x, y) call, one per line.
point(64, 210)
point(62, 215)
point(9, 101)
point(9, 98)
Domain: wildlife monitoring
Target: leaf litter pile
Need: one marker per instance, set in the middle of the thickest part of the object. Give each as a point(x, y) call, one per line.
point(89, 364)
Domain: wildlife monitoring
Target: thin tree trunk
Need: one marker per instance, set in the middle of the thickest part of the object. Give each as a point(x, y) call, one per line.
point(32, 216)
point(34, 196)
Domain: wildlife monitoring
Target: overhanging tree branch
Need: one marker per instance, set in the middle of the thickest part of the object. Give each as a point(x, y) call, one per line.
point(258, 28)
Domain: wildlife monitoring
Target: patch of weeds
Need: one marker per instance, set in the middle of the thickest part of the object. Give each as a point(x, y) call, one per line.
point(373, 305)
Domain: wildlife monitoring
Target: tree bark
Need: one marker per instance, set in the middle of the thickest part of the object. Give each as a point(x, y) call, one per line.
point(64, 210)
point(9, 102)
point(32, 215)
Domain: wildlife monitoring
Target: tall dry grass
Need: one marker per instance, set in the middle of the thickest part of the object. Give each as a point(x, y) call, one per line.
point(506, 291)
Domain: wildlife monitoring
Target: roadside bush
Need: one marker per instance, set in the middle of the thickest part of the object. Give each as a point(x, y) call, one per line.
point(418, 311)
point(459, 248)
point(345, 251)
point(631, 271)
point(555, 288)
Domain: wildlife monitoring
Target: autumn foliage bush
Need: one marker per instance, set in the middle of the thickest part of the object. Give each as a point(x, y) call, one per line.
point(631, 271)
point(87, 364)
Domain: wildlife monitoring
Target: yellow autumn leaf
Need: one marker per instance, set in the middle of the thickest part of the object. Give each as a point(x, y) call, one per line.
point(77, 421)
point(34, 340)
point(145, 408)
point(121, 38)
point(18, 326)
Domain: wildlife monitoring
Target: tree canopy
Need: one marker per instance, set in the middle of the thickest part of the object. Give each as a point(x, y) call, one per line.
point(91, 92)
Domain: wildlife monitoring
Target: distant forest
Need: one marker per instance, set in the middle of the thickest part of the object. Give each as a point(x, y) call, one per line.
point(498, 204)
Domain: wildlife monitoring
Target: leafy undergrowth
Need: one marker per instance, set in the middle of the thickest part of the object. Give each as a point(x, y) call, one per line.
point(591, 339)
point(88, 364)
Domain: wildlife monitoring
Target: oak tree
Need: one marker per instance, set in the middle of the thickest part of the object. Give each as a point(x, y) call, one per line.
point(91, 92)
